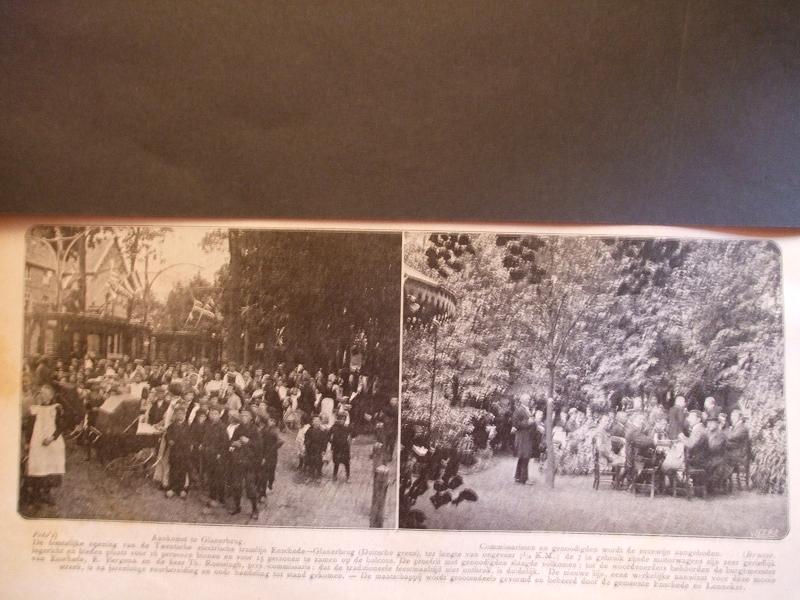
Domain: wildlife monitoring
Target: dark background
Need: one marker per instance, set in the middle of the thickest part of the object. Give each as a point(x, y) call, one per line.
point(679, 112)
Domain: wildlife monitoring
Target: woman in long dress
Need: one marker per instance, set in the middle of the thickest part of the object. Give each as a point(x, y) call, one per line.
point(46, 451)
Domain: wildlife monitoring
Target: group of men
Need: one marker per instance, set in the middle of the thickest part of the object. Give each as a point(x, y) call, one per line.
point(708, 442)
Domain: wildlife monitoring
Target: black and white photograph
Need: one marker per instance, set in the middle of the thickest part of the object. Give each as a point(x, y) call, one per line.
point(568, 383)
point(211, 375)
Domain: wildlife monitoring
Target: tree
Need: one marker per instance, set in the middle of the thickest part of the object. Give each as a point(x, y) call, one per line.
point(138, 245)
point(587, 320)
point(173, 314)
point(313, 296)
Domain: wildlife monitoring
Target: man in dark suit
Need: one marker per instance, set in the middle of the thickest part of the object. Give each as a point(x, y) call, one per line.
point(676, 418)
point(717, 463)
point(159, 407)
point(738, 438)
point(522, 421)
point(215, 456)
point(696, 443)
point(246, 456)
point(636, 442)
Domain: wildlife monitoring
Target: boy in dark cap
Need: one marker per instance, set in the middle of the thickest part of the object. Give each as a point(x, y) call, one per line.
point(197, 431)
point(180, 442)
point(271, 442)
point(215, 456)
point(340, 445)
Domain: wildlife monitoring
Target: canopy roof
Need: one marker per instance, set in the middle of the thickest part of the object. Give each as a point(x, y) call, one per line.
point(431, 295)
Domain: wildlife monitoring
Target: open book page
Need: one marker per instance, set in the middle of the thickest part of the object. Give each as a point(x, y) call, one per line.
point(324, 408)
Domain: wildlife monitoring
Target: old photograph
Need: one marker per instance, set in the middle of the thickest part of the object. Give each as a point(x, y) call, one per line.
point(593, 384)
point(211, 375)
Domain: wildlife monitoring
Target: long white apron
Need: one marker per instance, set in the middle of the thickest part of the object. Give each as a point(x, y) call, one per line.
point(45, 460)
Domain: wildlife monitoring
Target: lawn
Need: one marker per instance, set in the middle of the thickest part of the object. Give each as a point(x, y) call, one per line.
point(573, 506)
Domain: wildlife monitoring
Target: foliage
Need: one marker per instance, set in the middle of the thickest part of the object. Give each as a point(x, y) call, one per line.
point(576, 457)
point(138, 245)
point(313, 296)
point(446, 252)
point(768, 467)
point(426, 469)
point(588, 320)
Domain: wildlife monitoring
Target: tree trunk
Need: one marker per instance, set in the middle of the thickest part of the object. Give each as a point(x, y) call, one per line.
point(551, 457)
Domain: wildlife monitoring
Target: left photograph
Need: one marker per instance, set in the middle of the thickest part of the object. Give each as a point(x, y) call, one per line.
point(211, 375)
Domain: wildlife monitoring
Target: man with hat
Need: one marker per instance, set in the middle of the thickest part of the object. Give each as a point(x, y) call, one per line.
point(215, 455)
point(246, 455)
point(696, 443)
point(738, 438)
point(179, 443)
point(523, 423)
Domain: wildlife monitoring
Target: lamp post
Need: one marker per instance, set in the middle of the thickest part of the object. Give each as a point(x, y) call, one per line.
point(148, 285)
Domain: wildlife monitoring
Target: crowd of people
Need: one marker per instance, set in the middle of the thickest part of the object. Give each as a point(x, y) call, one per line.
point(221, 427)
point(640, 435)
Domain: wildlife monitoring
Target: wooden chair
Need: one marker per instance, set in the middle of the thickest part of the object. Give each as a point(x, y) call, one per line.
point(606, 473)
point(644, 468)
point(690, 480)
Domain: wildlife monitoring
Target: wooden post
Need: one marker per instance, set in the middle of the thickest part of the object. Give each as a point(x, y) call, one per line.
point(380, 483)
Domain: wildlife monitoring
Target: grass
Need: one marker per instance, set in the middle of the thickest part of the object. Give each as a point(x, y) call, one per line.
point(573, 506)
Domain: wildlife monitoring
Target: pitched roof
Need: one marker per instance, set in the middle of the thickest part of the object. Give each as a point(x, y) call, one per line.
point(37, 254)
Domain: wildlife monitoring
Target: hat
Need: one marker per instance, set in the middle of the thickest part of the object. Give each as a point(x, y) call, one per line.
point(696, 413)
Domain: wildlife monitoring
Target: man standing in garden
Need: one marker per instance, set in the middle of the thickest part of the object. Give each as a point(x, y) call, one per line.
point(524, 425)
point(676, 418)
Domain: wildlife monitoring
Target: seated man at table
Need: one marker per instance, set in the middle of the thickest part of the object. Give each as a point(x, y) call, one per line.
point(619, 425)
point(717, 463)
point(738, 438)
point(696, 443)
point(636, 440)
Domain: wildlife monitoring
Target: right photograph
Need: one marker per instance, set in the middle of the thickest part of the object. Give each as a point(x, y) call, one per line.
point(593, 384)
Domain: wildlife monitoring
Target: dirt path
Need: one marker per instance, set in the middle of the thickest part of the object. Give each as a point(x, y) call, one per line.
point(89, 493)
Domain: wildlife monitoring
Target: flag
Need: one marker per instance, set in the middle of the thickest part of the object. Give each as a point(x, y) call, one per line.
point(212, 311)
point(117, 286)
